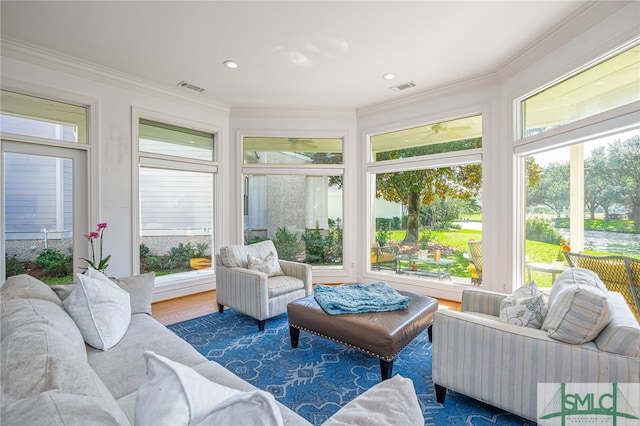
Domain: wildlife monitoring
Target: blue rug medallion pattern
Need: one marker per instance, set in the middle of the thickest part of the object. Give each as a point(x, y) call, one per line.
point(320, 376)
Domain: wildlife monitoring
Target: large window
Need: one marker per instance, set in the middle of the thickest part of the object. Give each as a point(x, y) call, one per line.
point(44, 177)
point(176, 193)
point(426, 199)
point(582, 186)
point(293, 196)
point(582, 198)
point(608, 85)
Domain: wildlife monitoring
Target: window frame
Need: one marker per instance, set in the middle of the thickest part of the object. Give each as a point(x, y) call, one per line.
point(173, 282)
point(606, 123)
point(266, 169)
point(445, 159)
point(86, 205)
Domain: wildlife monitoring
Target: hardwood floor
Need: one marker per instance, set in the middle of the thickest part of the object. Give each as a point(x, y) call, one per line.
point(196, 305)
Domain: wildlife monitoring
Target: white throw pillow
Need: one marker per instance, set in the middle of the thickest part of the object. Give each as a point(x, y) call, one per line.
point(100, 309)
point(173, 394)
point(525, 307)
point(140, 289)
point(578, 307)
point(269, 265)
point(398, 397)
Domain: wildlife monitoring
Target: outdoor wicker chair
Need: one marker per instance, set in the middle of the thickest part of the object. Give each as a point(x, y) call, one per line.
point(475, 262)
point(618, 273)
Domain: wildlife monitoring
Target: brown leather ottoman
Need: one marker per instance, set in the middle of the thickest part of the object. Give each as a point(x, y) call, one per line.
point(381, 334)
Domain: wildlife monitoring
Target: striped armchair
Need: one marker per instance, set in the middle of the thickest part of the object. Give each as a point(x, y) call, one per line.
point(476, 354)
point(255, 293)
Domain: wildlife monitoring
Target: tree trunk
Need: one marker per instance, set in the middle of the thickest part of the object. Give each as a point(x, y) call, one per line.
point(413, 218)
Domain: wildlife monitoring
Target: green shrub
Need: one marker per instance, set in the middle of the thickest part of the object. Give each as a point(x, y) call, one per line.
point(333, 251)
point(179, 256)
point(382, 237)
point(538, 229)
point(144, 250)
point(54, 263)
point(287, 244)
point(257, 239)
point(315, 245)
point(13, 265)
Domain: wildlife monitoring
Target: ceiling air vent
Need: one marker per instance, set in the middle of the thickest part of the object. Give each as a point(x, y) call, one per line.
point(403, 86)
point(190, 86)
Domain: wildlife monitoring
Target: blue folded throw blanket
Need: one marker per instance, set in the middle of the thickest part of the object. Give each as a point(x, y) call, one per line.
point(359, 298)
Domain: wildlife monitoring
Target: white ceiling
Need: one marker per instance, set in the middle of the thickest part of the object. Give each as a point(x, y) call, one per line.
point(292, 54)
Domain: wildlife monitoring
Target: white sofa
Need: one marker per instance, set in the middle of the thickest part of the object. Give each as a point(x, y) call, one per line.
point(478, 355)
point(51, 377)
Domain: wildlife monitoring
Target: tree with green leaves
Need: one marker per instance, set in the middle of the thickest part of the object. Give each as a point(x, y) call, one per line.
point(601, 185)
point(552, 190)
point(416, 188)
point(625, 159)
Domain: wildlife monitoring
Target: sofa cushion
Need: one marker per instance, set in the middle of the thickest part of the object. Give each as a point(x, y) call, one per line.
point(578, 307)
point(37, 358)
point(27, 287)
point(235, 256)
point(59, 408)
point(144, 333)
point(284, 284)
point(622, 334)
point(269, 265)
point(18, 313)
point(28, 301)
point(525, 307)
point(196, 400)
point(398, 397)
point(100, 309)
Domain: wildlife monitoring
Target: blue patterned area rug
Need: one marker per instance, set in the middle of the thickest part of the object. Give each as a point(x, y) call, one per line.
point(320, 376)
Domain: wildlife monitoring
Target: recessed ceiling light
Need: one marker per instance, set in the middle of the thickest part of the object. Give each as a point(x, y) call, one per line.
point(389, 76)
point(231, 64)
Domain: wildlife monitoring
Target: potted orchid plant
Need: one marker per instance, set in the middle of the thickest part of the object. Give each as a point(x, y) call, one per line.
point(98, 263)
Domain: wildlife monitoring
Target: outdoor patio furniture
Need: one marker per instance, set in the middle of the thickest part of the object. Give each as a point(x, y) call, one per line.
point(475, 262)
point(384, 257)
point(618, 273)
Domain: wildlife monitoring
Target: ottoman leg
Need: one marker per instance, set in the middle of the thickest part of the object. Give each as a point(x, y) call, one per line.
point(295, 335)
point(430, 332)
point(386, 368)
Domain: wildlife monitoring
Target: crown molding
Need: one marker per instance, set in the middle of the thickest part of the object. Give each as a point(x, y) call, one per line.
point(580, 21)
point(26, 52)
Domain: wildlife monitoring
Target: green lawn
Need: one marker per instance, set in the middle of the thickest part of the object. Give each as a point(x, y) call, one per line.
point(458, 239)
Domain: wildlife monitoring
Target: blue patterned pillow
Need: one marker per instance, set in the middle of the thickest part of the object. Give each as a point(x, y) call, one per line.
point(524, 307)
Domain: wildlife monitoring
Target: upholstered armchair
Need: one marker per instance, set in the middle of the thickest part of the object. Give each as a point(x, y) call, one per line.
point(252, 280)
point(481, 355)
